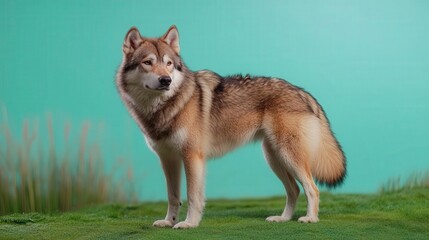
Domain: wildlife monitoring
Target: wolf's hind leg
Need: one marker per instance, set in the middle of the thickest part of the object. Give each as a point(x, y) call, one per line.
point(286, 142)
point(299, 165)
point(278, 166)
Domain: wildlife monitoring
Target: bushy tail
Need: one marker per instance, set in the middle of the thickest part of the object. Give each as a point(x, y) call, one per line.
point(328, 164)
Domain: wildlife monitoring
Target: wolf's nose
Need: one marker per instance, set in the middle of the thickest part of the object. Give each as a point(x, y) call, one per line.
point(165, 81)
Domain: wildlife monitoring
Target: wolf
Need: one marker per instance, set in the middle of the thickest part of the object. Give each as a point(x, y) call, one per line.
point(189, 117)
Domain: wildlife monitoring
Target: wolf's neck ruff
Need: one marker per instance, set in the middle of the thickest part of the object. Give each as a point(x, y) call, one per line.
point(156, 110)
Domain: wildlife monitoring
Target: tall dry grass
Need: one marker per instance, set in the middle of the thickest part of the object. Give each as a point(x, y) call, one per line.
point(418, 179)
point(35, 176)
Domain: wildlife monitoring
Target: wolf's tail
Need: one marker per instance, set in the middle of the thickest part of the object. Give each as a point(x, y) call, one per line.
point(328, 164)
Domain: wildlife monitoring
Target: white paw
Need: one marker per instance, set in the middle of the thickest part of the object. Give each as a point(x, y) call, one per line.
point(185, 225)
point(277, 219)
point(307, 219)
point(163, 223)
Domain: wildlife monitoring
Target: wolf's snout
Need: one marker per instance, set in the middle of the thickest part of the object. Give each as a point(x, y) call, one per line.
point(165, 81)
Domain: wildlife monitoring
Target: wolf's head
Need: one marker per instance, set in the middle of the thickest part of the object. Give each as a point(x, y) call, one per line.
point(152, 65)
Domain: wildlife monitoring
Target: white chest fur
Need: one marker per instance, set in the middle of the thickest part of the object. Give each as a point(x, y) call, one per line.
point(170, 145)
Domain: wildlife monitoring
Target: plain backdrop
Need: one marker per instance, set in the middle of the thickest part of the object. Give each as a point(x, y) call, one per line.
point(367, 62)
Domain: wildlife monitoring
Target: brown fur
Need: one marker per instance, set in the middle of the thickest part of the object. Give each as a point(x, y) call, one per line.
point(207, 115)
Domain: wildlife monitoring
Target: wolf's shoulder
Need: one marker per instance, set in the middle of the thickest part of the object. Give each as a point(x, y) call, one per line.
point(207, 79)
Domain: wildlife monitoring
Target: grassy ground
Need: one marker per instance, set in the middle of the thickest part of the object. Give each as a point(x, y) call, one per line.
point(398, 215)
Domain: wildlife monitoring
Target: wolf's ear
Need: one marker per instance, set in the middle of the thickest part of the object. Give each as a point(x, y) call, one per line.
point(172, 38)
point(132, 40)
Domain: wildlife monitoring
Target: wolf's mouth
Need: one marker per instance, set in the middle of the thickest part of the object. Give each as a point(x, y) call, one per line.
point(161, 88)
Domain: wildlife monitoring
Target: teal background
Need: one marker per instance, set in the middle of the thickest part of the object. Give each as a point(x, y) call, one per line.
point(367, 62)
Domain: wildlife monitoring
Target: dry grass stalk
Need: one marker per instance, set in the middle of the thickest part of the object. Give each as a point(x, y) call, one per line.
point(36, 179)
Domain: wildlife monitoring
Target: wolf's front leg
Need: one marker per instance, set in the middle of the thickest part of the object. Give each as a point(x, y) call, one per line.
point(195, 173)
point(172, 169)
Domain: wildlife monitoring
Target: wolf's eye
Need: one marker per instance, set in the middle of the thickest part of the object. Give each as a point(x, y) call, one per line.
point(147, 62)
point(169, 63)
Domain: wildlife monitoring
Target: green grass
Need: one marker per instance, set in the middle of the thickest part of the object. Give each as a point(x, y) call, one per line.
point(398, 215)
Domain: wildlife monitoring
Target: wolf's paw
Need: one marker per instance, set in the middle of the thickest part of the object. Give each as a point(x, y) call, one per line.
point(163, 223)
point(307, 219)
point(185, 225)
point(277, 219)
